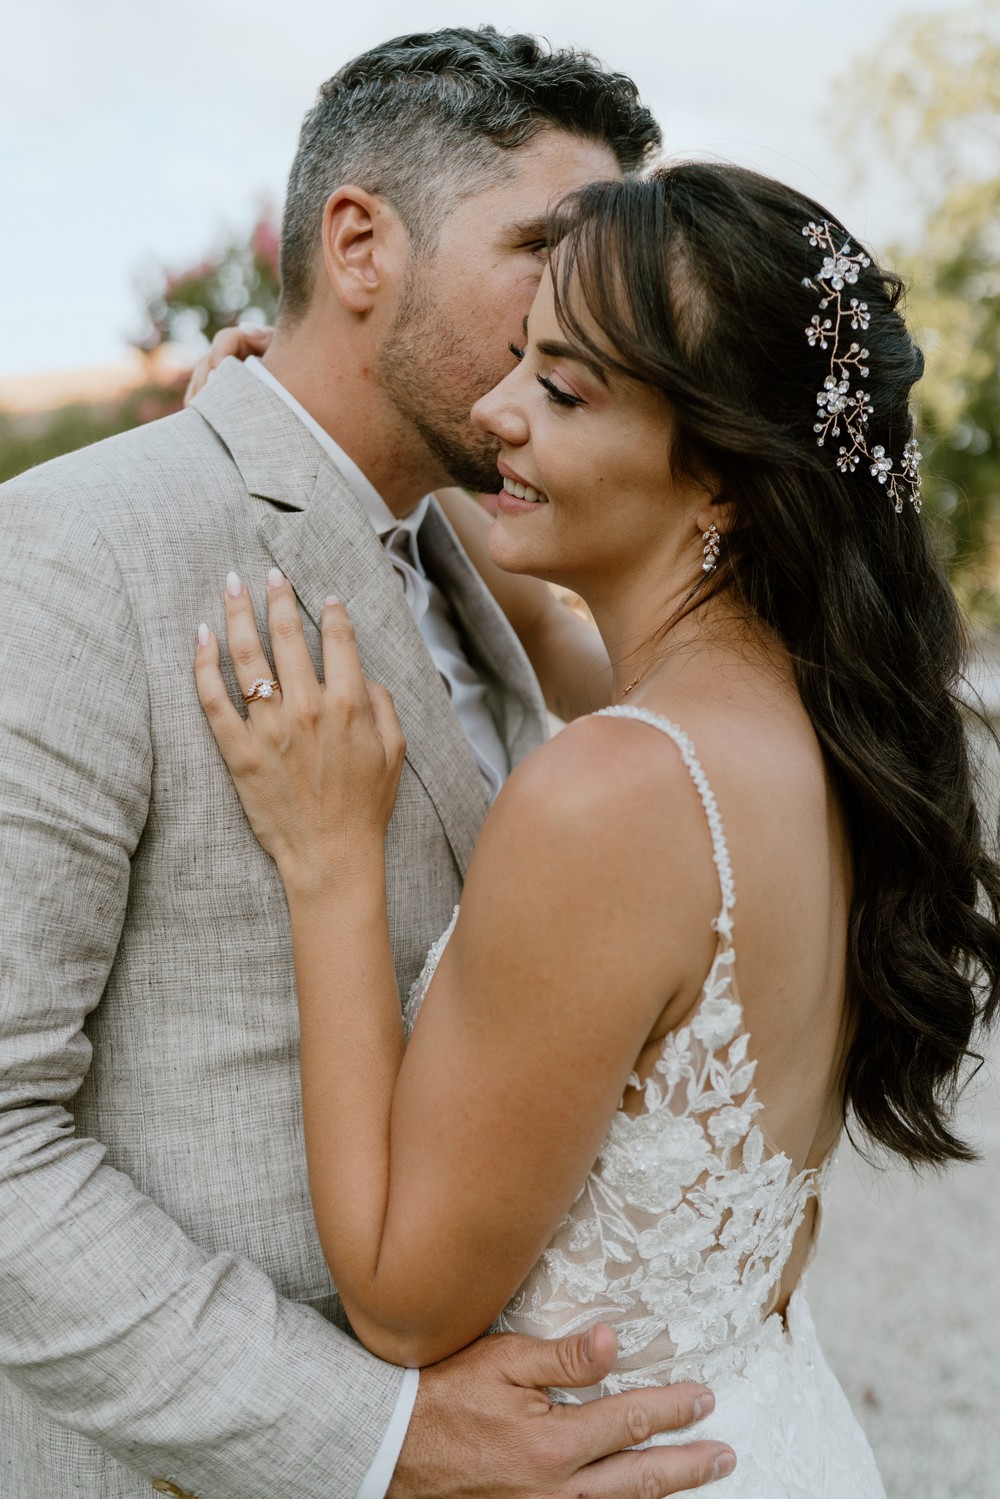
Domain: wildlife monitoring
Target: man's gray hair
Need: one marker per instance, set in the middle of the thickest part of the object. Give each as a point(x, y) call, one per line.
point(427, 119)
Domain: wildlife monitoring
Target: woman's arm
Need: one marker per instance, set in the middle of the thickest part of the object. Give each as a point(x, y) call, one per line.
point(566, 650)
point(439, 1175)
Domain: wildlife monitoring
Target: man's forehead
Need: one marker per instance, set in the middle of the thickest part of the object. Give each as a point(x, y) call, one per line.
point(555, 162)
point(542, 173)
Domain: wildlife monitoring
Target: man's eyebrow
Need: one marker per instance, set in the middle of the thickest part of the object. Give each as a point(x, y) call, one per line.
point(569, 351)
point(529, 231)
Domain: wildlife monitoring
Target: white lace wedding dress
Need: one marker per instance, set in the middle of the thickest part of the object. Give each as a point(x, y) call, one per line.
point(679, 1238)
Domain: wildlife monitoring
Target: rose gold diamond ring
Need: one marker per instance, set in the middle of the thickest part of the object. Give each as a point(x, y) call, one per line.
point(262, 688)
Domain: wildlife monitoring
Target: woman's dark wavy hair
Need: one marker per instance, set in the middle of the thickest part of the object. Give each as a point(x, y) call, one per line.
point(691, 280)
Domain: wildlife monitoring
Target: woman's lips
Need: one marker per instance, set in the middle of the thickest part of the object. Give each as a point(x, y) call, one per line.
point(512, 504)
point(524, 492)
point(521, 490)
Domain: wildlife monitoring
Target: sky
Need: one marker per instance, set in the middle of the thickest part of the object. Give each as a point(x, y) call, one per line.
point(134, 136)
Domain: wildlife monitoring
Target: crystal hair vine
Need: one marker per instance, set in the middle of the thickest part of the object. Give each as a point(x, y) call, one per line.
point(841, 410)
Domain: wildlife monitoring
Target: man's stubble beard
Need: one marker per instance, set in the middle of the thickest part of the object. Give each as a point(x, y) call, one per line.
point(433, 376)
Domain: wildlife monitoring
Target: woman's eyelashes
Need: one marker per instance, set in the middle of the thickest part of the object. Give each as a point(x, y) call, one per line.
point(555, 393)
point(559, 396)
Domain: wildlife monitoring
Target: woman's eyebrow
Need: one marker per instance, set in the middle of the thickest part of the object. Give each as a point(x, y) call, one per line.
point(569, 351)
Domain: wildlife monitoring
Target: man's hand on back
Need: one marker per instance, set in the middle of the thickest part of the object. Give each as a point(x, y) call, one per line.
point(484, 1428)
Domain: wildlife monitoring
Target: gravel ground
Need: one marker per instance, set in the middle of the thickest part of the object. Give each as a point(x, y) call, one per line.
point(906, 1295)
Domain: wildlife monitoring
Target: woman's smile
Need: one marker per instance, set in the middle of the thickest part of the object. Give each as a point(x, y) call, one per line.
point(517, 495)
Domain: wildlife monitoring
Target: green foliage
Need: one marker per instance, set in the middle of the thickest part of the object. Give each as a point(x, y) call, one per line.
point(238, 283)
point(956, 307)
point(931, 90)
point(930, 94)
point(26, 441)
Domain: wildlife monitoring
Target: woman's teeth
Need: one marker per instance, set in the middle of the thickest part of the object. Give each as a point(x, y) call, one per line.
point(524, 491)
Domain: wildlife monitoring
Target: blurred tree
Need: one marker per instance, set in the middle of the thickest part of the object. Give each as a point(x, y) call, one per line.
point(238, 283)
point(930, 95)
point(28, 440)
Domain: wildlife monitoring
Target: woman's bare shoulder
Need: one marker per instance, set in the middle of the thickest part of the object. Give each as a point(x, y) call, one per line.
point(604, 770)
point(602, 823)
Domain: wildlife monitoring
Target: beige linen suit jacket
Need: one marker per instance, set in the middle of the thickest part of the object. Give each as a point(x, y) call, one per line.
point(165, 1310)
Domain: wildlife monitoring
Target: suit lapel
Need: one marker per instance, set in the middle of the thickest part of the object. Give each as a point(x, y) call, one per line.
point(516, 699)
point(316, 530)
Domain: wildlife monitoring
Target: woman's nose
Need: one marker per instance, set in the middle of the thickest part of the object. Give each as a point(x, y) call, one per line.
point(497, 413)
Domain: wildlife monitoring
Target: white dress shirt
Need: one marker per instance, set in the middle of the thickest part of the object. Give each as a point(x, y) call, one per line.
point(426, 601)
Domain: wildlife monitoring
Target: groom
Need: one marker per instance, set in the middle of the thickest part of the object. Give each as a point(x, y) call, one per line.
point(166, 1316)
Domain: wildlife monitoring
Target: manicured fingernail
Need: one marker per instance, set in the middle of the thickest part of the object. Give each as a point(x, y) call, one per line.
point(331, 598)
point(233, 585)
point(203, 633)
point(275, 577)
point(724, 1464)
point(704, 1405)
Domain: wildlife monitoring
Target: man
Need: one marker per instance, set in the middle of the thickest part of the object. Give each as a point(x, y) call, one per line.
point(167, 1314)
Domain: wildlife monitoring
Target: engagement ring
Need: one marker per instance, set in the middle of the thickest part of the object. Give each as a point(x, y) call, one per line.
point(263, 687)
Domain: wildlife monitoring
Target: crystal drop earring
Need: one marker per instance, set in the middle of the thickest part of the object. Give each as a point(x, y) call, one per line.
point(711, 539)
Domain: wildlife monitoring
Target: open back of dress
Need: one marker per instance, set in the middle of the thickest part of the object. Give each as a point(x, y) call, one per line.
point(680, 1235)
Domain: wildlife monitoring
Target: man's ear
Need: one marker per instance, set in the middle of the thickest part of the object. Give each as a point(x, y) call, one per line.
point(364, 246)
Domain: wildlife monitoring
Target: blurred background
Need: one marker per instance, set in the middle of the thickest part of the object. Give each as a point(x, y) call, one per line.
point(145, 150)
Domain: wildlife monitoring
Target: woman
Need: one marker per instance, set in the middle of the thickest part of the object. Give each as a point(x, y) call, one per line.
point(700, 928)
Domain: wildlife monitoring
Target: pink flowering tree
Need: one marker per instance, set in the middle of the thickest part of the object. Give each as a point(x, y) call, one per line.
point(237, 283)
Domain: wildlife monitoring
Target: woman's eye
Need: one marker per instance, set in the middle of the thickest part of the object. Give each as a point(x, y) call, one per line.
point(560, 397)
point(517, 353)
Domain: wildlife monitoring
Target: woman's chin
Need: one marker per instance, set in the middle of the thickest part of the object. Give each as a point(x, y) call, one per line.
point(513, 552)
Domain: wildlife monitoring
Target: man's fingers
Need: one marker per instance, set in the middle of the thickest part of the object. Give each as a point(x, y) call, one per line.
point(657, 1471)
point(601, 1427)
point(572, 1363)
point(249, 661)
point(225, 722)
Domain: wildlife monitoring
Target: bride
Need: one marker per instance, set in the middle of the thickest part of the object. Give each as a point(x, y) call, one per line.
point(703, 927)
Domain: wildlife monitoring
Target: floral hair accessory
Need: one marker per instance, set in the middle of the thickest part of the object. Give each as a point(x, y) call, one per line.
point(843, 411)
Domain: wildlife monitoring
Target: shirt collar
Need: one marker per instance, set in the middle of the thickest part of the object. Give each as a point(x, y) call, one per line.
point(376, 509)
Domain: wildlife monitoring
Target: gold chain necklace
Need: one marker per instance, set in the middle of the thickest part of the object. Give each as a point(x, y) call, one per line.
point(636, 680)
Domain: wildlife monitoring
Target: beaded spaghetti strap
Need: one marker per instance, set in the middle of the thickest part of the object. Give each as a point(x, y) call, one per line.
point(723, 923)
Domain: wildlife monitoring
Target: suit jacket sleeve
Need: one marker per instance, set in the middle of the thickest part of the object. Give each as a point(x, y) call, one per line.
point(183, 1365)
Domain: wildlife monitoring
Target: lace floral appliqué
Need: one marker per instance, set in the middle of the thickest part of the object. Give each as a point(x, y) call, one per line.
point(680, 1235)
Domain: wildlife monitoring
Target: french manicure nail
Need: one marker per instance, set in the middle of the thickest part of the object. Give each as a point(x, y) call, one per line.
point(331, 598)
point(203, 634)
point(233, 585)
point(704, 1405)
point(275, 577)
point(724, 1465)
